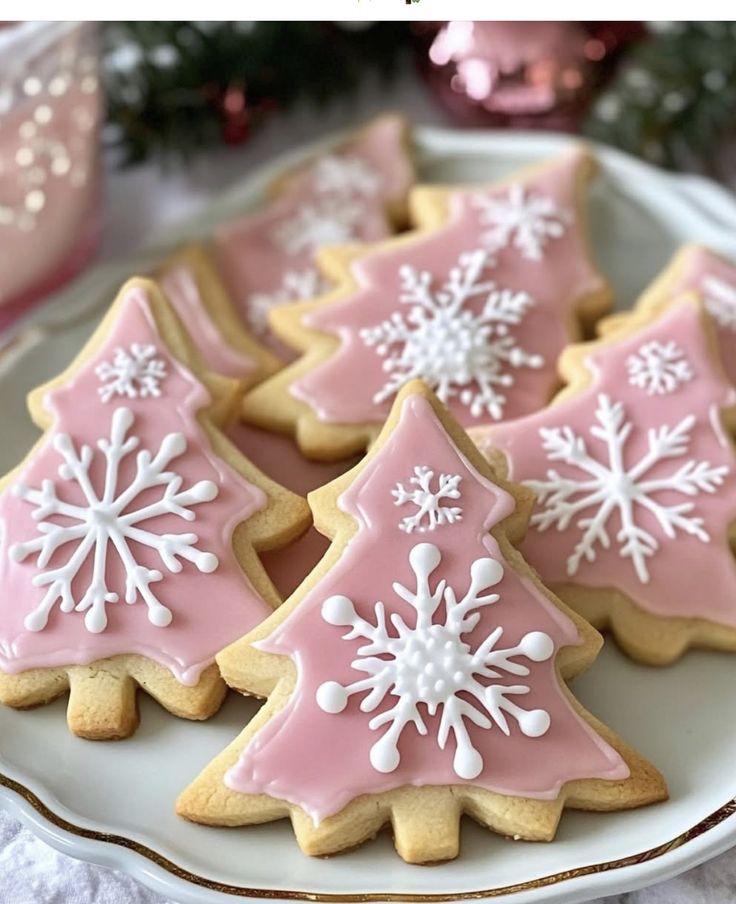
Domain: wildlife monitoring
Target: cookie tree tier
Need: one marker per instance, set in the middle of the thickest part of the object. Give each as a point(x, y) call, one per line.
point(424, 645)
point(478, 302)
point(697, 269)
point(356, 192)
point(193, 287)
point(635, 478)
point(129, 535)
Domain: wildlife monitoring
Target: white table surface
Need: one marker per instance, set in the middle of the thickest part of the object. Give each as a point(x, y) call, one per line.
point(141, 201)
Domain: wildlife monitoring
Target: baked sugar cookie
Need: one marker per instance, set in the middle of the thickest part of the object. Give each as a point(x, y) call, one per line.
point(418, 673)
point(696, 269)
point(129, 534)
point(635, 476)
point(194, 288)
point(356, 192)
point(478, 302)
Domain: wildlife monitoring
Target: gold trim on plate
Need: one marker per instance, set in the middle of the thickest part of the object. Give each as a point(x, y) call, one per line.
point(708, 822)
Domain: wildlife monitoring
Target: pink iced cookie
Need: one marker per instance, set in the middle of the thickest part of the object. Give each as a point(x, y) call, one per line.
point(355, 193)
point(635, 477)
point(128, 536)
point(417, 674)
point(478, 303)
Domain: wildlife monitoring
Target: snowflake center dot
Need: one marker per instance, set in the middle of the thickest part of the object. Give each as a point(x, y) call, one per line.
point(433, 665)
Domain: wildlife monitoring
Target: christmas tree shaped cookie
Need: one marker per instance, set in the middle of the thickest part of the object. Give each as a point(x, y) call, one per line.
point(697, 269)
point(129, 535)
point(418, 673)
point(357, 192)
point(193, 287)
point(478, 302)
point(635, 477)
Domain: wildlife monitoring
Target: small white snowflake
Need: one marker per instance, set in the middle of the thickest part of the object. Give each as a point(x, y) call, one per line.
point(297, 285)
point(331, 220)
point(428, 501)
point(457, 352)
point(608, 485)
point(135, 372)
point(109, 522)
point(659, 368)
point(345, 176)
point(720, 301)
point(523, 220)
point(429, 664)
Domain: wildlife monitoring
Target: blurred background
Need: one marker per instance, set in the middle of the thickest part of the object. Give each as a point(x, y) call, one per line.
point(109, 132)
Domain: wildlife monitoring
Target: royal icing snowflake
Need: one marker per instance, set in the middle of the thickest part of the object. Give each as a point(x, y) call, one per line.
point(296, 285)
point(431, 510)
point(659, 368)
point(345, 176)
point(135, 372)
point(456, 351)
point(720, 301)
point(108, 523)
point(606, 485)
point(330, 220)
point(521, 219)
point(428, 666)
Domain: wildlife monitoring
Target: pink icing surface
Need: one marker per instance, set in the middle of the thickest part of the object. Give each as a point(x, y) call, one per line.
point(677, 586)
point(209, 610)
point(701, 264)
point(342, 388)
point(300, 754)
point(181, 289)
point(252, 262)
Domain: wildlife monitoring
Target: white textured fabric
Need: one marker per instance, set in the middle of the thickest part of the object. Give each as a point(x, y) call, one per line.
point(140, 201)
point(33, 873)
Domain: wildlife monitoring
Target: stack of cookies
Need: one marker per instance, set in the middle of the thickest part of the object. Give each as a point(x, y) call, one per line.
point(496, 468)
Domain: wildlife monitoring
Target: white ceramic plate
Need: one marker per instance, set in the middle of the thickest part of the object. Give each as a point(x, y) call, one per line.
point(113, 803)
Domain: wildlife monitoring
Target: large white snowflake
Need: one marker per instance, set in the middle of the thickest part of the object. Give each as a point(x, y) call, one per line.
point(107, 522)
point(345, 176)
point(431, 511)
point(659, 368)
point(428, 666)
point(720, 301)
point(134, 372)
point(521, 219)
point(296, 285)
point(332, 220)
point(456, 351)
point(607, 485)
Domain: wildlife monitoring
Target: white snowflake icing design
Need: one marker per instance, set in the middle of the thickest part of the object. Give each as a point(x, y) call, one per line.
point(720, 301)
point(296, 285)
point(331, 220)
point(607, 486)
point(659, 368)
point(345, 175)
point(431, 512)
point(109, 521)
point(430, 665)
point(521, 219)
point(135, 373)
point(457, 352)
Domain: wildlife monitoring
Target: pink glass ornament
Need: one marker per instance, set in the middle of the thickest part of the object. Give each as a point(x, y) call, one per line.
point(50, 109)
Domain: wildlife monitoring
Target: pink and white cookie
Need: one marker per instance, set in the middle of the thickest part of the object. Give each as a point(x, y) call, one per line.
point(418, 673)
point(634, 470)
point(129, 536)
point(478, 302)
point(194, 289)
point(354, 193)
point(697, 269)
